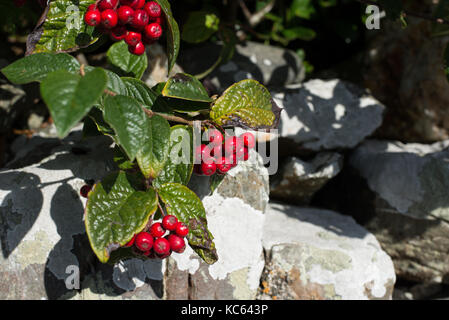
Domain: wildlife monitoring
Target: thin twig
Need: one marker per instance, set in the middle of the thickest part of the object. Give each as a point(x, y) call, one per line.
point(255, 18)
point(160, 208)
point(406, 13)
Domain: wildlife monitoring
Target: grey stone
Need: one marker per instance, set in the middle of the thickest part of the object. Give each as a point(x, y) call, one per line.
point(299, 180)
point(326, 115)
point(157, 70)
point(272, 66)
point(320, 254)
point(406, 187)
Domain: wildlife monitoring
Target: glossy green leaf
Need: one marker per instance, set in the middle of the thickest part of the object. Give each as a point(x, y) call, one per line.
point(299, 32)
point(247, 104)
point(37, 66)
point(131, 64)
point(129, 121)
point(139, 91)
point(96, 115)
point(69, 97)
point(186, 87)
point(153, 154)
point(200, 26)
point(172, 33)
point(63, 29)
point(116, 209)
point(179, 165)
point(188, 208)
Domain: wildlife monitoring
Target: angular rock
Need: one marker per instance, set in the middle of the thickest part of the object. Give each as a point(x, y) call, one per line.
point(299, 180)
point(320, 254)
point(404, 193)
point(403, 69)
point(272, 66)
point(326, 115)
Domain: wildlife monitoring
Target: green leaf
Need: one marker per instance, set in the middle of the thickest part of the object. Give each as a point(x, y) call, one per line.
point(247, 104)
point(302, 8)
point(126, 117)
point(173, 37)
point(299, 32)
point(69, 97)
point(116, 210)
point(37, 66)
point(131, 64)
point(63, 29)
point(179, 165)
point(188, 208)
point(140, 91)
point(121, 159)
point(187, 87)
point(96, 115)
point(155, 145)
point(200, 26)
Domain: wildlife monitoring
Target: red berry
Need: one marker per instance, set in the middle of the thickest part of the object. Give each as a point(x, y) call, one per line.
point(156, 230)
point(248, 139)
point(93, 18)
point(118, 33)
point(153, 8)
point(144, 241)
point(216, 151)
point(203, 154)
point(140, 19)
point(107, 4)
point(232, 144)
point(181, 229)
point(169, 222)
point(240, 152)
point(130, 242)
point(177, 243)
point(92, 7)
point(215, 137)
point(161, 246)
point(208, 169)
point(109, 18)
point(138, 49)
point(133, 38)
point(148, 253)
point(137, 4)
point(125, 14)
point(164, 255)
point(224, 165)
point(233, 160)
point(84, 191)
point(153, 30)
point(246, 154)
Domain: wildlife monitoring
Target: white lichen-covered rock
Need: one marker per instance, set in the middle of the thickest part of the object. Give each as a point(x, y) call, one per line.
point(326, 115)
point(405, 195)
point(299, 180)
point(320, 254)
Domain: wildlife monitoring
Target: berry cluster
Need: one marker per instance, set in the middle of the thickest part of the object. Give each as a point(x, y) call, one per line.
point(221, 155)
point(137, 22)
point(154, 243)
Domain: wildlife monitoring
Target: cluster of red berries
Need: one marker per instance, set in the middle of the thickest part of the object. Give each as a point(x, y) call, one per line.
point(153, 242)
point(137, 22)
point(221, 155)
